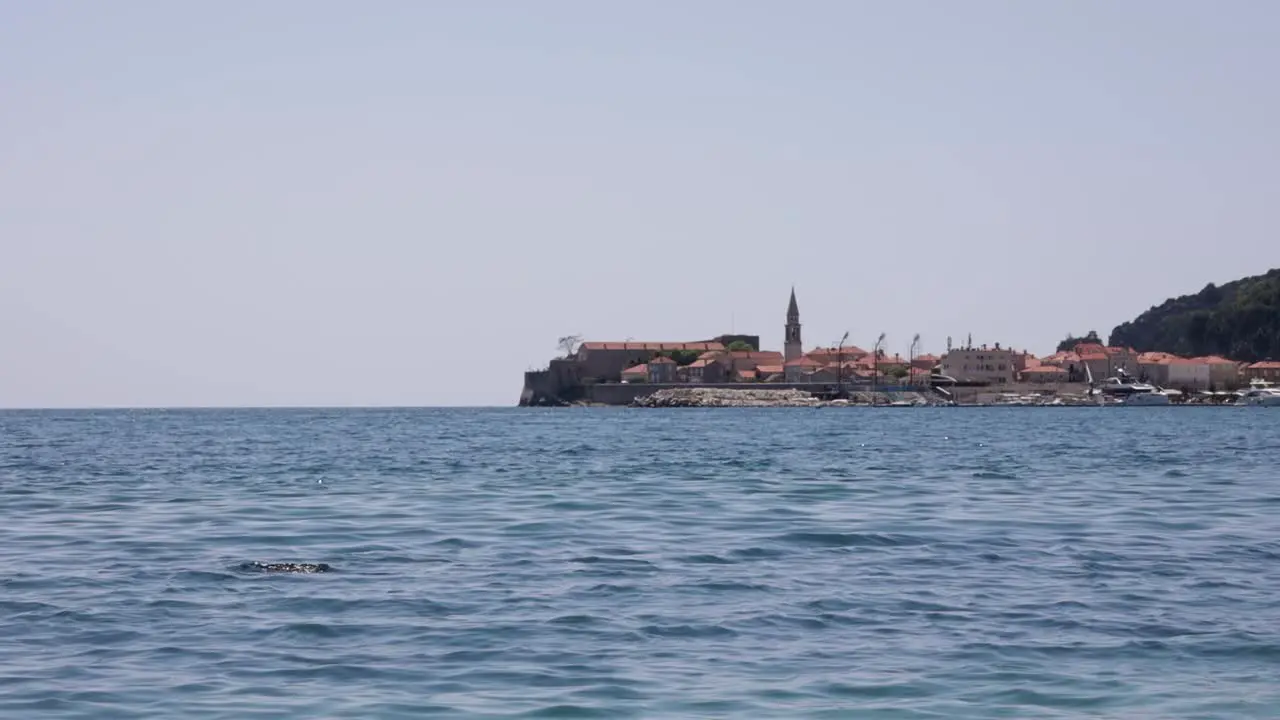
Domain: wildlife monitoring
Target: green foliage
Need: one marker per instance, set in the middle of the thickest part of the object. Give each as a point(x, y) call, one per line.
point(1068, 344)
point(1239, 320)
point(738, 346)
point(899, 372)
point(682, 357)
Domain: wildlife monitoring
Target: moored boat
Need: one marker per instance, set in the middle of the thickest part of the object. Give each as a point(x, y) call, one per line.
point(1260, 394)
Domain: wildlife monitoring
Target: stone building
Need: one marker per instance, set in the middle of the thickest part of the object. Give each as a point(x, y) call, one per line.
point(662, 369)
point(605, 361)
point(1104, 361)
point(1266, 370)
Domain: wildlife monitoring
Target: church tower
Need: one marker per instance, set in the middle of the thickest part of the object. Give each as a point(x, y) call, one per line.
point(792, 350)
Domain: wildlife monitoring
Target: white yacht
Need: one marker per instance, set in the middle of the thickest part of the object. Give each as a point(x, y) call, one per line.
point(1260, 394)
point(1123, 385)
point(1130, 392)
point(1146, 398)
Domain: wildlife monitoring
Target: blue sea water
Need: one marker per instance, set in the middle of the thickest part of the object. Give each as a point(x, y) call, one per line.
point(878, 563)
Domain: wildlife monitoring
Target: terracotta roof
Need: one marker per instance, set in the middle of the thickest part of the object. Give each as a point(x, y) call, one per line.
point(660, 360)
point(851, 351)
point(803, 361)
point(870, 361)
point(746, 373)
point(698, 364)
point(652, 346)
point(1061, 357)
point(1183, 361)
point(1215, 360)
point(770, 369)
point(1083, 349)
point(637, 370)
point(1093, 356)
point(1265, 365)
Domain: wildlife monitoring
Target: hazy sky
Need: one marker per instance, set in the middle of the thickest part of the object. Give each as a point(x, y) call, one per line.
point(407, 202)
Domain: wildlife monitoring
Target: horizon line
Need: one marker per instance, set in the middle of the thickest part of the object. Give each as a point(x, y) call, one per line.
point(57, 408)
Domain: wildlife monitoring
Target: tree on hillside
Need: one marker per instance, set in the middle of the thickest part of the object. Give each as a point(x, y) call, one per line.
point(568, 344)
point(681, 357)
point(1239, 320)
point(739, 346)
point(1070, 342)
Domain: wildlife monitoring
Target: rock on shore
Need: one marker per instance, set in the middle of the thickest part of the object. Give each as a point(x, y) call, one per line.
point(725, 397)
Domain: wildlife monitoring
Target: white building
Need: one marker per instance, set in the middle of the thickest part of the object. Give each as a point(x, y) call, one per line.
point(1193, 374)
point(992, 365)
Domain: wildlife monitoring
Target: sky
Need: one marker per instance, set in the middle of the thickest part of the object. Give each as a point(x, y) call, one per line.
point(405, 202)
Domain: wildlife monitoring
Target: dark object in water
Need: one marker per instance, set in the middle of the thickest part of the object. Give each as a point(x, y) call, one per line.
point(288, 567)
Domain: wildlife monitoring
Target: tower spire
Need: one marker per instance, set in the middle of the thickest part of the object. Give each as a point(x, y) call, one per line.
point(792, 347)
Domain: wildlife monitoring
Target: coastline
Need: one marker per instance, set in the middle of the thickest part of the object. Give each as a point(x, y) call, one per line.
point(708, 397)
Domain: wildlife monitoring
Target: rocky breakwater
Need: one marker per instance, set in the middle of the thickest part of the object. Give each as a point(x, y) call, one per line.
point(724, 397)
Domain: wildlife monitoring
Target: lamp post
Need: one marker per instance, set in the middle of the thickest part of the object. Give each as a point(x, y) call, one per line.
point(911, 360)
point(840, 365)
point(875, 367)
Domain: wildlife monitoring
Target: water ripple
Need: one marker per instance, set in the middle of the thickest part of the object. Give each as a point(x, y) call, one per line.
point(548, 564)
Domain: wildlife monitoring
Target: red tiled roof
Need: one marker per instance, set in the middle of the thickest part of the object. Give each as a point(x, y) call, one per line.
point(661, 360)
point(1083, 349)
point(746, 373)
point(1061, 357)
point(1215, 360)
point(637, 370)
point(652, 346)
point(756, 354)
point(698, 364)
point(1093, 356)
point(770, 369)
point(1265, 365)
point(803, 361)
point(849, 351)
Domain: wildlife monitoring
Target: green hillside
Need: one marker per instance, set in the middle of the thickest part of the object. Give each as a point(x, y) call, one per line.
point(1239, 320)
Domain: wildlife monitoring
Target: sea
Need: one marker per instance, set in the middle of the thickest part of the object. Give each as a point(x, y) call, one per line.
point(620, 563)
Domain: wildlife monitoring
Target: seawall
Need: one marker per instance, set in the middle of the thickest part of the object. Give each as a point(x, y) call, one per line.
point(624, 393)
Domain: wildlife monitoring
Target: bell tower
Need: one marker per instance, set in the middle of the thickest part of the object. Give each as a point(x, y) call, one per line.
point(792, 349)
